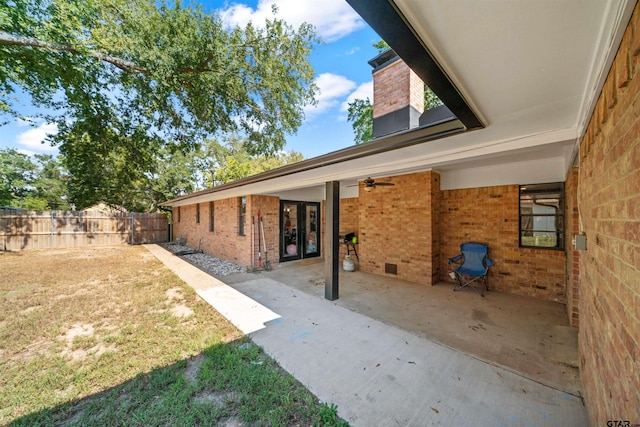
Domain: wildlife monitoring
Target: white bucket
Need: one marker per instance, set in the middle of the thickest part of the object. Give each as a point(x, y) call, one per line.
point(347, 263)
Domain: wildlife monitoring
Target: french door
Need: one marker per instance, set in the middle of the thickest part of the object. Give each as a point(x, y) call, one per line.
point(299, 230)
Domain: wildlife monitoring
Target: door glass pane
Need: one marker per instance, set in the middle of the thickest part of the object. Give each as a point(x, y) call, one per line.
point(289, 230)
point(311, 226)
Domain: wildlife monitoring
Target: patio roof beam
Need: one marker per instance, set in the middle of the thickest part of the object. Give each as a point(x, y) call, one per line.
point(332, 240)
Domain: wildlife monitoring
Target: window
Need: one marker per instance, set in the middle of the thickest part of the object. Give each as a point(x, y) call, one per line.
point(242, 209)
point(198, 213)
point(178, 213)
point(211, 216)
point(542, 216)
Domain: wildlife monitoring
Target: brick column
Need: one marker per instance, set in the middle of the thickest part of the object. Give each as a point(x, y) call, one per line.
point(399, 227)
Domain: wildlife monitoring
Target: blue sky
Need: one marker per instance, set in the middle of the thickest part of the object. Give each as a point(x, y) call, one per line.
point(342, 73)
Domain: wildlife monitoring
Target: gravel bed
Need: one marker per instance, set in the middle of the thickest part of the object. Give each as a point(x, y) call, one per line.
point(212, 265)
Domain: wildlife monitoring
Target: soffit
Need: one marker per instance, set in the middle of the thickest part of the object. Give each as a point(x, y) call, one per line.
point(530, 66)
point(408, 160)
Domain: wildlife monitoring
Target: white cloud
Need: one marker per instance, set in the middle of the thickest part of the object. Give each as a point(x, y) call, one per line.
point(333, 19)
point(332, 88)
point(364, 91)
point(33, 138)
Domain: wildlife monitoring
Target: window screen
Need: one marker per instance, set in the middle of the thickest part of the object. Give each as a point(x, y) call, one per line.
point(542, 216)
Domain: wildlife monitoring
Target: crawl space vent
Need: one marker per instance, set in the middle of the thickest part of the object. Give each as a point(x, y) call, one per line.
point(391, 268)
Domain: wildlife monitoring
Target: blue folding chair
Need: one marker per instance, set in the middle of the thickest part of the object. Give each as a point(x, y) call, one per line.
point(471, 267)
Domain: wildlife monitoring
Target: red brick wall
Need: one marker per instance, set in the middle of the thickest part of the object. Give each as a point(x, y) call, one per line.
point(490, 215)
point(224, 242)
point(395, 226)
point(609, 205)
point(184, 224)
point(396, 86)
point(349, 216)
point(573, 256)
point(269, 207)
point(416, 91)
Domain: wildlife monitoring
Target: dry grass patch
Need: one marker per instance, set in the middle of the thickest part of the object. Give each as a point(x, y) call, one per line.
point(75, 322)
point(109, 336)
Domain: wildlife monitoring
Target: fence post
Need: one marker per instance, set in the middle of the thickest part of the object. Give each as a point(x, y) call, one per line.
point(133, 226)
point(52, 229)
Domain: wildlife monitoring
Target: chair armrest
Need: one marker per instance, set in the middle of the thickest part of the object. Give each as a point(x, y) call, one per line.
point(489, 263)
point(455, 258)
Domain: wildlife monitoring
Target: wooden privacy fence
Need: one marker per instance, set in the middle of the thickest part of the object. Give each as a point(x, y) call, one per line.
point(21, 229)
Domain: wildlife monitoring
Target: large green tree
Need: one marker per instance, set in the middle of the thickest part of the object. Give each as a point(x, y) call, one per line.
point(360, 114)
point(51, 184)
point(125, 80)
point(222, 162)
point(17, 172)
point(32, 183)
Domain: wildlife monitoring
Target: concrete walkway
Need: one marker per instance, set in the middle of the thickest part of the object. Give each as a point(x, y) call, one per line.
point(377, 374)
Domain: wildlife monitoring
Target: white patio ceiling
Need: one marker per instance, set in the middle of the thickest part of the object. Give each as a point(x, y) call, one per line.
point(531, 71)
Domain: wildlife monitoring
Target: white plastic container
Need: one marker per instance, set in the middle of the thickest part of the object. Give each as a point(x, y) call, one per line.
point(347, 263)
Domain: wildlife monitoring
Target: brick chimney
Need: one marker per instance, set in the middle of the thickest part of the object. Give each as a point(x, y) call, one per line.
point(398, 95)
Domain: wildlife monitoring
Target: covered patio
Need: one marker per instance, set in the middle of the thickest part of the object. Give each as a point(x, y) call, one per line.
point(527, 336)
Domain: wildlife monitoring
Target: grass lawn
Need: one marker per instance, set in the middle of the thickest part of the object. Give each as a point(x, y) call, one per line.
point(109, 336)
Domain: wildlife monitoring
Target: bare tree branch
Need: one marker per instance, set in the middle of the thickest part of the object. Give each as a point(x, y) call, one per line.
point(13, 40)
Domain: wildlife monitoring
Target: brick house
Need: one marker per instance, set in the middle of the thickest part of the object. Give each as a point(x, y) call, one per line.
point(538, 143)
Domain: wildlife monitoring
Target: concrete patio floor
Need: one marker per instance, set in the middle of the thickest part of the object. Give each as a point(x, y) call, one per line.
point(527, 336)
point(382, 373)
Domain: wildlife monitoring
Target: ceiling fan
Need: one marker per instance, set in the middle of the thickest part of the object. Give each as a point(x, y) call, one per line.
point(370, 184)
